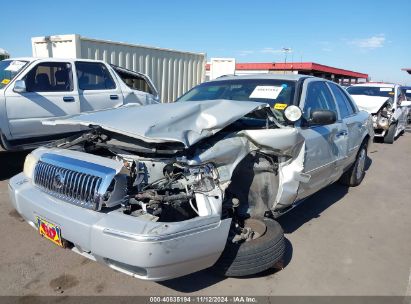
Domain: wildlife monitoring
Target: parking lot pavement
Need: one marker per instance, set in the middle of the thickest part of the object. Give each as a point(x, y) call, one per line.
point(342, 241)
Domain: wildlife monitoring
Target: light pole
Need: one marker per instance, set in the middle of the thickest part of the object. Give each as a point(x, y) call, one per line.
point(286, 50)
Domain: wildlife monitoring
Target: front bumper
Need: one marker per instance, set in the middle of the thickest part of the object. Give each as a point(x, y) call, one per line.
point(146, 250)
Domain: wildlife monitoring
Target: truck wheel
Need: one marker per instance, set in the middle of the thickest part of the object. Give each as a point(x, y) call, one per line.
point(390, 136)
point(354, 176)
point(255, 255)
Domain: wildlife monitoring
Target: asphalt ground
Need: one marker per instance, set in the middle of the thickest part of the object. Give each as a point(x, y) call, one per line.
point(341, 241)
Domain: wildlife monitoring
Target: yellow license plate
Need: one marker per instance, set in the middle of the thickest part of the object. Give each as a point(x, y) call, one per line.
point(50, 231)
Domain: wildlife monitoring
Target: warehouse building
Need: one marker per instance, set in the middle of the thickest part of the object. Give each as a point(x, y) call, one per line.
point(227, 66)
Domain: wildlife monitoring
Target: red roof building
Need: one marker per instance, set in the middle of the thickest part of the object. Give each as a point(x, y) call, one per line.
point(306, 68)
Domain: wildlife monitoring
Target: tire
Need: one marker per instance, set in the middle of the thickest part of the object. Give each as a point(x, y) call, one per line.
point(253, 256)
point(354, 176)
point(390, 136)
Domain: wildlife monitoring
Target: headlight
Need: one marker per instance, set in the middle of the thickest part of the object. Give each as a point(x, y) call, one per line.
point(292, 113)
point(29, 165)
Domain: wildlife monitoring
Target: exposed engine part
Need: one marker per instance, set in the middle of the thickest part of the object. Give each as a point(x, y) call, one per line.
point(382, 119)
point(167, 190)
point(153, 196)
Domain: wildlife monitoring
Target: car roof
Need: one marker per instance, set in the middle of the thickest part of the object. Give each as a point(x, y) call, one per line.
point(32, 59)
point(291, 77)
point(375, 84)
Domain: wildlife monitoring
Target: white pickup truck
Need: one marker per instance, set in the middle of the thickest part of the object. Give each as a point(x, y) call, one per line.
point(33, 90)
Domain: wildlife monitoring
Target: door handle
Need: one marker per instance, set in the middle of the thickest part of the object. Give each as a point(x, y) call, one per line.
point(68, 98)
point(342, 133)
point(113, 97)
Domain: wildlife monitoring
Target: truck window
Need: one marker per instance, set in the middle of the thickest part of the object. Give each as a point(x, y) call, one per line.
point(94, 76)
point(50, 77)
point(134, 81)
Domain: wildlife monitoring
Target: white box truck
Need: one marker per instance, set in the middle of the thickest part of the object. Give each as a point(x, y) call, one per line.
point(172, 72)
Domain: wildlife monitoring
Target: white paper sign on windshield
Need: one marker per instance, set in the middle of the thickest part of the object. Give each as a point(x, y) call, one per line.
point(266, 92)
point(385, 89)
point(15, 66)
point(408, 91)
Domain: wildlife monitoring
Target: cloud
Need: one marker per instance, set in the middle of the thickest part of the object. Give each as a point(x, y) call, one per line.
point(270, 51)
point(373, 42)
point(266, 50)
point(245, 52)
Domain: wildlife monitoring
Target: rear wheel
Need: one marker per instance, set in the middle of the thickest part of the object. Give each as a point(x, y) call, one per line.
point(260, 246)
point(354, 176)
point(390, 136)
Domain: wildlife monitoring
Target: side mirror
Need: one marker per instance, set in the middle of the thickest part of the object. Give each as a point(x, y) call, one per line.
point(20, 86)
point(322, 117)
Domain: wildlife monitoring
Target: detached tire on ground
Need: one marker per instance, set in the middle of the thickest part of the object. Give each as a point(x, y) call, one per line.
point(390, 136)
point(354, 176)
point(253, 256)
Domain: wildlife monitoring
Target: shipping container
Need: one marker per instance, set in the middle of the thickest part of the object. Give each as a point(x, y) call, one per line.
point(173, 72)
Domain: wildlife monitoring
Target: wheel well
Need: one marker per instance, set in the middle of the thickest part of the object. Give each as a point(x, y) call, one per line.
point(3, 142)
point(254, 184)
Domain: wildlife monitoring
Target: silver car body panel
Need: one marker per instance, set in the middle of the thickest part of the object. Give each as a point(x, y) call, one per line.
point(185, 122)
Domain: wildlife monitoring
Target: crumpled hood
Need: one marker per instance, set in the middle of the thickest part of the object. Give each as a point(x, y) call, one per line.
point(185, 122)
point(371, 104)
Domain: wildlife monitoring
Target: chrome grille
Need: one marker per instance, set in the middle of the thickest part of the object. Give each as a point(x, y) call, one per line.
point(72, 180)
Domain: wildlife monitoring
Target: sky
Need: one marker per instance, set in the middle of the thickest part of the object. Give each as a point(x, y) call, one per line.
point(372, 37)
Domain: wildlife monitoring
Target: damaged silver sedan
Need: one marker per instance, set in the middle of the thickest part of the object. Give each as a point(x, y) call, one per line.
point(165, 190)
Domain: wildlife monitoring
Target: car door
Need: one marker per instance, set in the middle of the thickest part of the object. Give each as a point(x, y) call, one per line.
point(97, 87)
point(324, 144)
point(50, 93)
point(351, 122)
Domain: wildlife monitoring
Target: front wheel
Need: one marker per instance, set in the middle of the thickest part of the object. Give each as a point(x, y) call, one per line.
point(262, 249)
point(354, 176)
point(390, 136)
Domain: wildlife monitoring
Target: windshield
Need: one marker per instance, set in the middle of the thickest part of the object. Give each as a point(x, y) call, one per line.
point(8, 70)
point(277, 93)
point(371, 91)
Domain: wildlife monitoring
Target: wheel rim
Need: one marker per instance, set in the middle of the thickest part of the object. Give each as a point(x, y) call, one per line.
point(258, 227)
point(361, 163)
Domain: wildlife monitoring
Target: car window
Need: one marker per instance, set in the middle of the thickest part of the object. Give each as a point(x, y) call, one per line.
point(400, 95)
point(407, 92)
point(342, 102)
point(318, 97)
point(135, 82)
point(50, 77)
point(94, 76)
